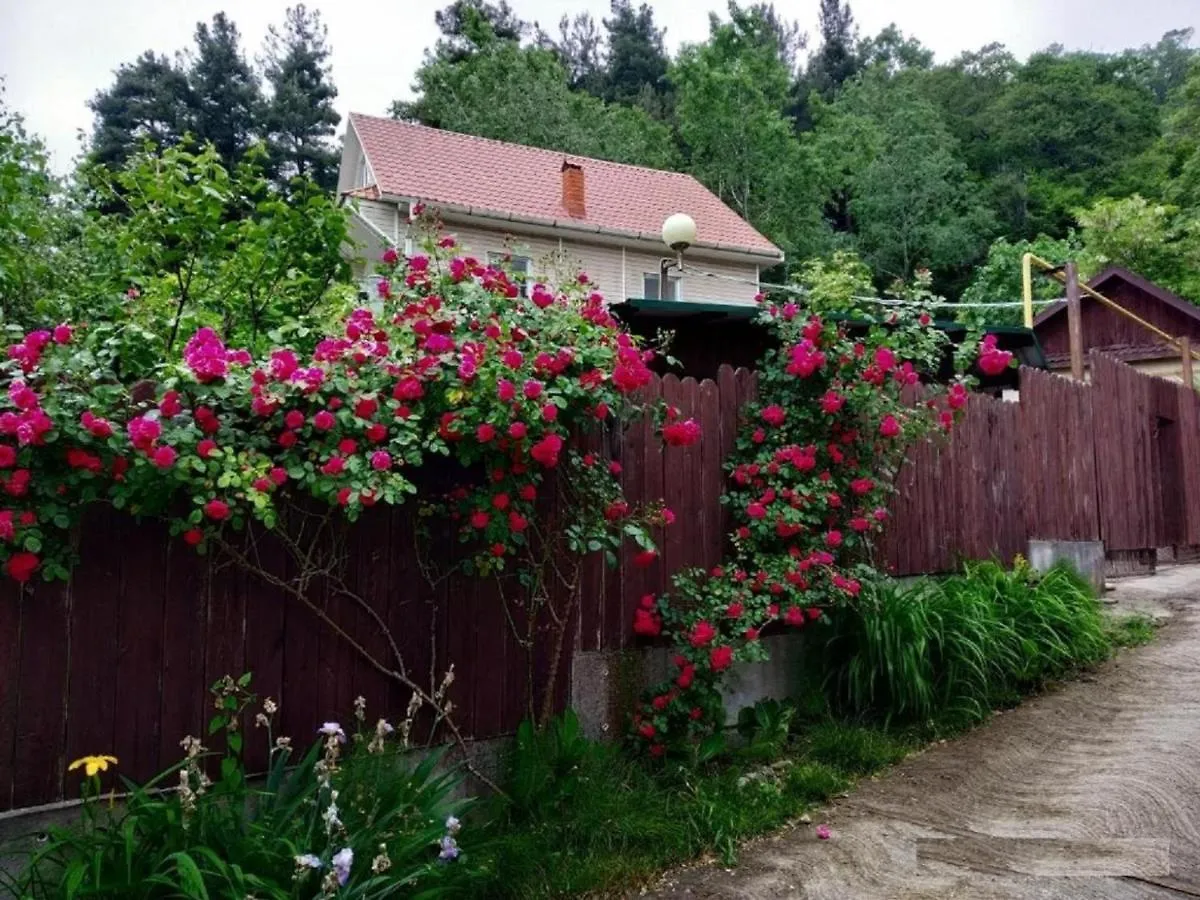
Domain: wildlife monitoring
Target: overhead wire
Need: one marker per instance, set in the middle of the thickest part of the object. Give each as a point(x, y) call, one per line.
point(881, 301)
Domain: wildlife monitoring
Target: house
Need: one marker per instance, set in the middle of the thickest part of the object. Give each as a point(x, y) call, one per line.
point(1116, 335)
point(554, 213)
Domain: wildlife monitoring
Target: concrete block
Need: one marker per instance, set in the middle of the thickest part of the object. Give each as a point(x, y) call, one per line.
point(1085, 557)
point(607, 684)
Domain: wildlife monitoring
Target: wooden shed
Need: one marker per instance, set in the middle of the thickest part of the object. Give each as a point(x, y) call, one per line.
point(1120, 337)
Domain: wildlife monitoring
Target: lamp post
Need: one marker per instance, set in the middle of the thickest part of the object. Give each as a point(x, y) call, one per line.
point(678, 233)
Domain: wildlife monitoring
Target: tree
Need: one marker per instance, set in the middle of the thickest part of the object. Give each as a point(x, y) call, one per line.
point(896, 182)
point(300, 119)
point(150, 100)
point(1163, 67)
point(226, 91)
point(729, 96)
point(580, 49)
point(785, 35)
point(998, 279)
point(1155, 240)
point(522, 94)
point(836, 60)
point(1066, 128)
point(636, 68)
point(467, 24)
point(28, 223)
point(891, 51)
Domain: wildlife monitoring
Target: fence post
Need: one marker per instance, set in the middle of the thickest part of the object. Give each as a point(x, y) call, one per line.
point(1074, 323)
point(1185, 348)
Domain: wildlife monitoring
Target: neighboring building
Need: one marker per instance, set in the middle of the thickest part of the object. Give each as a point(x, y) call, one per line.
point(1116, 335)
point(554, 212)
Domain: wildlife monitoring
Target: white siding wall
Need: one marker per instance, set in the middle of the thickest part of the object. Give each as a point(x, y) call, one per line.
point(694, 287)
point(382, 215)
point(617, 274)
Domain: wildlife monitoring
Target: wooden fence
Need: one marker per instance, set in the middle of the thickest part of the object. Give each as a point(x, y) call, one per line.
point(118, 660)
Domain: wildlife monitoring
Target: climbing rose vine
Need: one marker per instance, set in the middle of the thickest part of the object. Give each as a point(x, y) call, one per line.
point(809, 483)
point(448, 361)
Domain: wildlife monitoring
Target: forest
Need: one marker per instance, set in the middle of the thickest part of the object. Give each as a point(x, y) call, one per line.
point(860, 155)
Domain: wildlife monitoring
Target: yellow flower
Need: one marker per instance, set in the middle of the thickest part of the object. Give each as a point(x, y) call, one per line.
point(93, 764)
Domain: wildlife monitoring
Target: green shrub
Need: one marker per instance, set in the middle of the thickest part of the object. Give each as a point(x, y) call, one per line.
point(359, 818)
point(955, 648)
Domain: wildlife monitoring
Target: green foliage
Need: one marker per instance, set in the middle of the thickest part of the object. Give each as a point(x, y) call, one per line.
point(30, 223)
point(370, 807)
point(998, 279)
point(729, 94)
point(522, 94)
point(765, 727)
point(1156, 240)
point(187, 242)
point(959, 646)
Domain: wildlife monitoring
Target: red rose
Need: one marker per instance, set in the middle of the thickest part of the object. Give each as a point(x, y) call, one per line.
point(323, 420)
point(720, 658)
point(702, 633)
point(500, 501)
point(381, 460)
point(660, 702)
point(517, 522)
point(366, 407)
point(686, 674)
point(498, 549)
point(756, 510)
point(681, 434)
point(859, 523)
point(294, 419)
point(517, 430)
point(169, 405)
point(646, 623)
point(647, 731)
point(216, 510)
point(164, 457)
point(546, 450)
point(833, 538)
point(532, 389)
point(645, 558)
point(262, 485)
point(549, 412)
point(279, 475)
point(288, 439)
point(335, 465)
point(347, 446)
point(889, 427)
point(794, 616)
point(774, 415)
point(193, 536)
point(21, 566)
point(480, 519)
point(343, 496)
point(62, 334)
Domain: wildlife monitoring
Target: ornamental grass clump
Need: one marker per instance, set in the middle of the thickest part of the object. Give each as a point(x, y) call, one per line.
point(956, 648)
point(360, 814)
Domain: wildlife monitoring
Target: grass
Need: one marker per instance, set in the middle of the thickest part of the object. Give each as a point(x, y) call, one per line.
point(913, 664)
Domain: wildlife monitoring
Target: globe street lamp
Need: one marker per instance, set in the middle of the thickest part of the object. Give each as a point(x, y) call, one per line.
point(678, 233)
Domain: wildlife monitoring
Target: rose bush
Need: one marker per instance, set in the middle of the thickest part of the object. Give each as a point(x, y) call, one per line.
point(814, 465)
point(449, 361)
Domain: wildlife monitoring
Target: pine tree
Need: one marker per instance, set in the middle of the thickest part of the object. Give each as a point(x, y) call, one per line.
point(149, 101)
point(637, 60)
point(835, 61)
point(228, 99)
point(299, 118)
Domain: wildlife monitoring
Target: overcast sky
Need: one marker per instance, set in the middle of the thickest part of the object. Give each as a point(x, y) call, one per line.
point(55, 54)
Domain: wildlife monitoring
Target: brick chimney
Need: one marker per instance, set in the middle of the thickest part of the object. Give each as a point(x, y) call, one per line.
point(572, 190)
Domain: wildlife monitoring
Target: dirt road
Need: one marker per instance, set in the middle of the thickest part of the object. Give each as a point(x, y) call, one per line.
point(1090, 791)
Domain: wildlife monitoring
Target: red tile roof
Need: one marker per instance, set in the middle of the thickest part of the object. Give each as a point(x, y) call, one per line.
point(443, 167)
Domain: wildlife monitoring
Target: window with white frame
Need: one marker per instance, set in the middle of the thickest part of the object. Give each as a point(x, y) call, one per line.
point(518, 267)
point(651, 286)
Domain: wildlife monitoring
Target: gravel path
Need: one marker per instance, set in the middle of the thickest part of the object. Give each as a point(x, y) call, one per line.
point(1090, 791)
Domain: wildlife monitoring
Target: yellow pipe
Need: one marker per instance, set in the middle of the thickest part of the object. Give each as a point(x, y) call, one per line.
point(1027, 287)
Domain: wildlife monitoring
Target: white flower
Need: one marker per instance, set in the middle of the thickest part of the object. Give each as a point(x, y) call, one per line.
point(449, 849)
point(333, 729)
point(342, 861)
point(453, 825)
point(308, 861)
